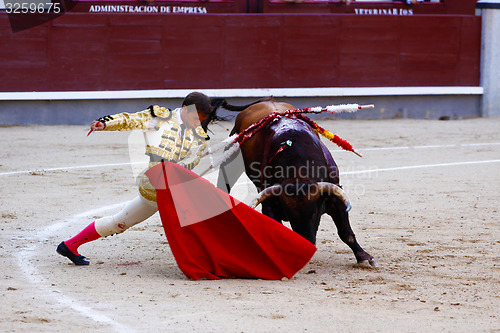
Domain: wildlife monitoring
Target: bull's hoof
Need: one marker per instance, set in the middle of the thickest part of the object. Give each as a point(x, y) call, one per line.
point(368, 263)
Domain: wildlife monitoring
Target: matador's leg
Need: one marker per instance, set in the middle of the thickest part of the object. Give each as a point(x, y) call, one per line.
point(134, 212)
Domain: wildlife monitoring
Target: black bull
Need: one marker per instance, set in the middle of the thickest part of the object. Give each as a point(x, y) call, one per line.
point(295, 173)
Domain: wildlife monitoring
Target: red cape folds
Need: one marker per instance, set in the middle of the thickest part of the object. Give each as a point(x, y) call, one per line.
point(213, 235)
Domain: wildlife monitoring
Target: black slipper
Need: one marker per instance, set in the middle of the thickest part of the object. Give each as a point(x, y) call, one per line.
point(79, 260)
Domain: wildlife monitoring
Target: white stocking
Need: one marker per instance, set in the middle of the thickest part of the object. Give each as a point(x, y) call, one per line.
point(134, 212)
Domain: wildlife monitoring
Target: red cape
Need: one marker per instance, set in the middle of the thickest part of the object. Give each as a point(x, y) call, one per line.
point(213, 235)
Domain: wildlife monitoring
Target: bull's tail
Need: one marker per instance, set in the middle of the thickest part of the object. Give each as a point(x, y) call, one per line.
point(216, 103)
point(221, 102)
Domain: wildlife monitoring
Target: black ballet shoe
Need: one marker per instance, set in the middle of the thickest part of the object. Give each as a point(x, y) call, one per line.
point(79, 260)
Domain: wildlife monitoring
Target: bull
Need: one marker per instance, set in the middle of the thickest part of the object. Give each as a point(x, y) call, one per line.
point(295, 175)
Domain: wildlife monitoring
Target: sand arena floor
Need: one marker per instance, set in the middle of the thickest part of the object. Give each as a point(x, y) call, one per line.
point(425, 205)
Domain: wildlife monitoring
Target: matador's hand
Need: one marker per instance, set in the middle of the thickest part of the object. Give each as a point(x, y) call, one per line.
point(96, 125)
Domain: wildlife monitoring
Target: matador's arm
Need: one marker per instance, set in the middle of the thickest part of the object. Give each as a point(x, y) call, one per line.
point(129, 121)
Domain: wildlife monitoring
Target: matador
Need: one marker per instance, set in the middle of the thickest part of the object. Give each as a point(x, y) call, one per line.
point(170, 135)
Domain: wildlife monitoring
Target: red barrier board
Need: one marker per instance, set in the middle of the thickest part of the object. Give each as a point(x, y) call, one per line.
point(83, 51)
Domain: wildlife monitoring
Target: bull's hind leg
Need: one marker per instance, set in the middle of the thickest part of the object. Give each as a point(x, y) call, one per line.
point(337, 211)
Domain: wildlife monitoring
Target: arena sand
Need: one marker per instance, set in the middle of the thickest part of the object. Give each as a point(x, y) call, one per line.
point(433, 228)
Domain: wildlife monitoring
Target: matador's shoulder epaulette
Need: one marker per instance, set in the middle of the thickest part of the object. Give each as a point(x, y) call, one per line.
point(160, 112)
point(200, 134)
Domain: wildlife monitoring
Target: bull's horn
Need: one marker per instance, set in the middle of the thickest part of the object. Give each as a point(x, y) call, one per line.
point(330, 188)
point(266, 193)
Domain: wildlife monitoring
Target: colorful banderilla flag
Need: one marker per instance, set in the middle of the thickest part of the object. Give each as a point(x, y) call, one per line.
point(212, 235)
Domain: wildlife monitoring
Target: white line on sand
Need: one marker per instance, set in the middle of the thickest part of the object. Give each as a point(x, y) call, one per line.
point(25, 259)
point(418, 167)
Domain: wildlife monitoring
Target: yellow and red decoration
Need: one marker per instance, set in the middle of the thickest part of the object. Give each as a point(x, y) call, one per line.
point(236, 140)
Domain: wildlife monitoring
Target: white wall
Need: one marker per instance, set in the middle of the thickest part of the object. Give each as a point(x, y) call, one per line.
point(490, 57)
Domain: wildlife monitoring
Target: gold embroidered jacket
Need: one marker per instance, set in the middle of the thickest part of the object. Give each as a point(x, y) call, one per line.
point(166, 139)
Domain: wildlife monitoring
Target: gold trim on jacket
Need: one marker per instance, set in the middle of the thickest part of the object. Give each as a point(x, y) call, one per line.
point(165, 139)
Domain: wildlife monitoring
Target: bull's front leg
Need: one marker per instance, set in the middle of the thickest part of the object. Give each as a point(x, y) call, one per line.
point(268, 210)
point(337, 211)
